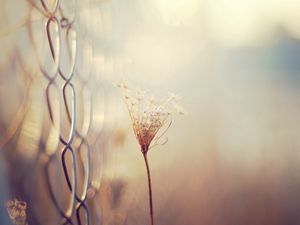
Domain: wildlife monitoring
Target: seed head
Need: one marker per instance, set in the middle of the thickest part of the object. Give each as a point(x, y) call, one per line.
point(16, 211)
point(148, 115)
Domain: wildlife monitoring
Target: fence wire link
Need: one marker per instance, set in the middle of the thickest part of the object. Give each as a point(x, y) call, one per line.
point(82, 160)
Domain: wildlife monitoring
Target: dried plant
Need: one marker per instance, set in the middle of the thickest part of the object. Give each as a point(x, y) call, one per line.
point(149, 116)
point(17, 211)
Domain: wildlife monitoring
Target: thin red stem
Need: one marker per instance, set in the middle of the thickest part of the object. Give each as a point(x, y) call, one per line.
point(149, 187)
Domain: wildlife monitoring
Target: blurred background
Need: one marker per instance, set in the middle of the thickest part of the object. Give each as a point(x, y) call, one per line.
point(232, 160)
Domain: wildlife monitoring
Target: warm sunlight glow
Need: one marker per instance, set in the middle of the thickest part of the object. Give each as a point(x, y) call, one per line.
point(248, 22)
point(236, 22)
point(177, 12)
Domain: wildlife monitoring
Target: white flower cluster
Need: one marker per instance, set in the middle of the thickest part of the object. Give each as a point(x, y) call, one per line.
point(147, 114)
point(16, 211)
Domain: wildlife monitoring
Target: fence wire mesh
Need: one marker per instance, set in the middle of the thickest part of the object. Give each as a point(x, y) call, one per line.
point(51, 136)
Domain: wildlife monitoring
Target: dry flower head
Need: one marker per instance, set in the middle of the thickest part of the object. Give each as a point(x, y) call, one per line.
point(149, 115)
point(17, 211)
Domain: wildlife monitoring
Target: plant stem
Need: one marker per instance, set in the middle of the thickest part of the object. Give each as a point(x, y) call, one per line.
point(149, 187)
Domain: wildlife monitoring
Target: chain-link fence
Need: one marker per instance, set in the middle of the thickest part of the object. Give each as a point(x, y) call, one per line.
point(52, 131)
